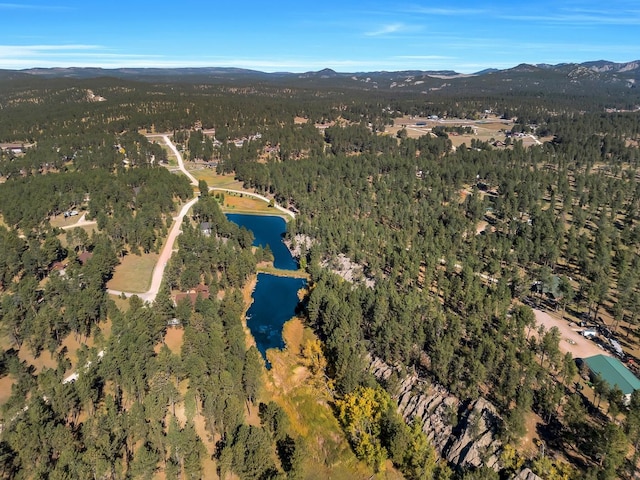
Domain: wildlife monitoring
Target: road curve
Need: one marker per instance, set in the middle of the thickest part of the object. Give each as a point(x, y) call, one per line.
point(180, 161)
point(255, 195)
point(82, 221)
point(167, 250)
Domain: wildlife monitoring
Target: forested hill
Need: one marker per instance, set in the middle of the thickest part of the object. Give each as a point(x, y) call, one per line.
point(427, 238)
point(598, 77)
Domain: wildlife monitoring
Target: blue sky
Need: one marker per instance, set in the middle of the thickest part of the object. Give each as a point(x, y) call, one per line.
point(297, 36)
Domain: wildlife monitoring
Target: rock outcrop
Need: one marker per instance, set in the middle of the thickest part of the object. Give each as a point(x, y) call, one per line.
point(527, 474)
point(463, 433)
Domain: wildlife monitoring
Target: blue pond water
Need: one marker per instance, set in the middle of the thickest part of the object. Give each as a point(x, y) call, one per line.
point(267, 230)
point(274, 302)
point(274, 298)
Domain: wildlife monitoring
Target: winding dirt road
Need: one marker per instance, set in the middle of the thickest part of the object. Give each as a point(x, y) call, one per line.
point(167, 250)
point(254, 195)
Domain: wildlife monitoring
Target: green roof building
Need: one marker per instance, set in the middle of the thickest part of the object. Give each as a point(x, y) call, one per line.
point(612, 371)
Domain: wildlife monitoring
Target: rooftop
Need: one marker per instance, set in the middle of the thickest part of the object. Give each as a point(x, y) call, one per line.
point(614, 373)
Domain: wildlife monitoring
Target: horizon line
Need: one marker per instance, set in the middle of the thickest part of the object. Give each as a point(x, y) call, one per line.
point(469, 71)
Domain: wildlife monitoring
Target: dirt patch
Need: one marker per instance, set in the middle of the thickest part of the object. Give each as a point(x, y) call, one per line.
point(528, 446)
point(173, 339)
point(570, 338)
point(6, 383)
point(481, 226)
point(251, 415)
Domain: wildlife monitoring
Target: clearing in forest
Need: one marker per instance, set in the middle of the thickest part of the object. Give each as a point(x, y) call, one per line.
point(133, 274)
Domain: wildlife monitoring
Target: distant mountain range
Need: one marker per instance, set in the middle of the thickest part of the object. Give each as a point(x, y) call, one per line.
point(578, 78)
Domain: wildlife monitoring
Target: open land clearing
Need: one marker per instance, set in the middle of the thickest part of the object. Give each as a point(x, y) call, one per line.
point(239, 203)
point(212, 178)
point(133, 274)
point(570, 339)
point(485, 130)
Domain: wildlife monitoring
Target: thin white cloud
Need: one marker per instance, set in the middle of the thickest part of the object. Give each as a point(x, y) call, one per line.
point(424, 57)
point(446, 11)
point(577, 18)
point(27, 51)
point(390, 29)
point(26, 6)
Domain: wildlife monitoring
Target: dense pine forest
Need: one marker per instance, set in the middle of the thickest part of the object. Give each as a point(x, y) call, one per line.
point(453, 246)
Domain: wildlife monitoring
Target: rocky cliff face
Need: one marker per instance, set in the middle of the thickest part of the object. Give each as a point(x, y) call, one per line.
point(465, 434)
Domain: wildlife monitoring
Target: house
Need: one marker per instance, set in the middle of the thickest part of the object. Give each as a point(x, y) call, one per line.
point(84, 257)
point(59, 267)
point(550, 289)
point(612, 371)
point(205, 229)
point(201, 291)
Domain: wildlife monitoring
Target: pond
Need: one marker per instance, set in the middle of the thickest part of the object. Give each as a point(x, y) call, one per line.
point(275, 298)
point(268, 230)
point(274, 302)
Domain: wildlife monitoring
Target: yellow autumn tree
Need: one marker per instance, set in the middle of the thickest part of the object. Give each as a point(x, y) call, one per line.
point(361, 413)
point(313, 357)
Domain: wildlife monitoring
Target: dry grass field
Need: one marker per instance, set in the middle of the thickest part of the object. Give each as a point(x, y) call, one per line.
point(134, 273)
point(210, 176)
point(234, 203)
point(173, 339)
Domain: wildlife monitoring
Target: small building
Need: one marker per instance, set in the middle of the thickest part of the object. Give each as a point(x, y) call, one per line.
point(550, 289)
point(84, 257)
point(59, 267)
point(201, 291)
point(205, 229)
point(612, 371)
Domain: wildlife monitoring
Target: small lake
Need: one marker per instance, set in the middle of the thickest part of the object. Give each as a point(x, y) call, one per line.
point(274, 303)
point(267, 230)
point(275, 298)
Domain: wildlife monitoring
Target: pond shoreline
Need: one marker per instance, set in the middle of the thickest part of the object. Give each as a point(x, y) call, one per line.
point(272, 295)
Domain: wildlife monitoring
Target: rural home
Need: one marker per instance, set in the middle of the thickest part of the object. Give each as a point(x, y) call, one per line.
point(201, 291)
